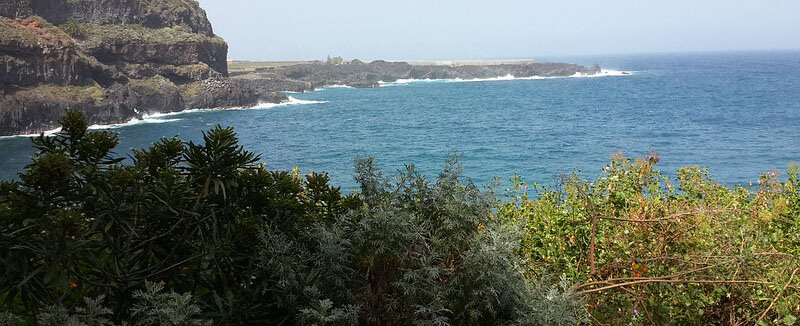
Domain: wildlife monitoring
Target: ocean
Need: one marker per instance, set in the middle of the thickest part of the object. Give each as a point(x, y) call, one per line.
point(737, 114)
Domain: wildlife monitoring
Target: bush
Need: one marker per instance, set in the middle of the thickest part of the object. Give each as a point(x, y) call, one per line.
point(201, 233)
point(645, 249)
point(73, 28)
point(248, 245)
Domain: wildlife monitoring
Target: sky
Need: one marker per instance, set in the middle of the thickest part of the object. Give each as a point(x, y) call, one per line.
point(497, 29)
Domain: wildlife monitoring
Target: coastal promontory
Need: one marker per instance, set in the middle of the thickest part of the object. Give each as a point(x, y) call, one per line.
point(114, 60)
point(118, 60)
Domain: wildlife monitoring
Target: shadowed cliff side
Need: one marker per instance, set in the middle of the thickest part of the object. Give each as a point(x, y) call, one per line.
point(113, 59)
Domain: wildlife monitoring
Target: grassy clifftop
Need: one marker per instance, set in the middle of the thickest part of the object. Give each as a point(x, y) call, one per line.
point(31, 30)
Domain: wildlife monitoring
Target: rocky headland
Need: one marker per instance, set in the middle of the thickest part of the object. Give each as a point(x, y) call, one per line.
point(118, 60)
point(308, 76)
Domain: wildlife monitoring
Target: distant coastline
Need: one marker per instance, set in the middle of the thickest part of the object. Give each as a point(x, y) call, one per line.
point(121, 62)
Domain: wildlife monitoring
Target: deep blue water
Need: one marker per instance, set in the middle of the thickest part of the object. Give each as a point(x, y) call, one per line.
point(736, 113)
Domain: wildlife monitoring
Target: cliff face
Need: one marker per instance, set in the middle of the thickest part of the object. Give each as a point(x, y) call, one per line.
point(32, 51)
point(113, 59)
point(148, 13)
point(131, 48)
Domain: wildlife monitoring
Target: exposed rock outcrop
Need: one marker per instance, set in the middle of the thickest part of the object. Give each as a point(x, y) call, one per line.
point(148, 13)
point(121, 45)
point(113, 59)
point(33, 51)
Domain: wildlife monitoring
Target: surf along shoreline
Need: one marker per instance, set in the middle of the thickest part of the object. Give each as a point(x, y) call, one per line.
point(163, 117)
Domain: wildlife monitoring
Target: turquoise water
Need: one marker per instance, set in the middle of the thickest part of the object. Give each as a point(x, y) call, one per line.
point(736, 113)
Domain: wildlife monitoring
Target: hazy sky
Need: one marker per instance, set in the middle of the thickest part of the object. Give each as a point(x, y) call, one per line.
point(471, 29)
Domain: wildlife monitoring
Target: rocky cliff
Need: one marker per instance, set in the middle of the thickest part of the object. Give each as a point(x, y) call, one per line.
point(148, 13)
point(121, 59)
point(113, 59)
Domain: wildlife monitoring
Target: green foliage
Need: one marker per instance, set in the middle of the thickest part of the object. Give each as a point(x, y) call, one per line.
point(251, 246)
point(201, 233)
point(644, 249)
point(171, 309)
point(154, 84)
point(9, 319)
point(74, 28)
point(33, 31)
point(92, 314)
point(151, 308)
point(98, 36)
point(90, 93)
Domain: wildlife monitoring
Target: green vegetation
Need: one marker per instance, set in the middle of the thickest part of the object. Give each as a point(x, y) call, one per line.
point(32, 31)
point(156, 83)
point(92, 93)
point(192, 90)
point(201, 233)
point(97, 35)
point(647, 250)
point(74, 29)
point(192, 72)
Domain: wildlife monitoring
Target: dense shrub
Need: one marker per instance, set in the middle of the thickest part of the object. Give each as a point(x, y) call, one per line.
point(74, 28)
point(645, 249)
point(201, 233)
point(187, 233)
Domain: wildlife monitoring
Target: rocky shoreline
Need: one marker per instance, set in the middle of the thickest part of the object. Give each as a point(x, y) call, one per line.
point(117, 60)
point(309, 76)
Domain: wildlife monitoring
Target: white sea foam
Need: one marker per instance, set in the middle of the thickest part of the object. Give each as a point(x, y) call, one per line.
point(131, 122)
point(318, 89)
point(260, 106)
point(506, 77)
point(294, 101)
point(160, 117)
point(602, 73)
point(46, 133)
point(605, 73)
point(408, 81)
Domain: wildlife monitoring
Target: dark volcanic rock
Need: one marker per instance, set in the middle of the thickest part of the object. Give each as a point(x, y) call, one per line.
point(313, 75)
point(38, 109)
point(31, 52)
point(150, 13)
point(226, 92)
point(273, 82)
point(161, 56)
point(118, 45)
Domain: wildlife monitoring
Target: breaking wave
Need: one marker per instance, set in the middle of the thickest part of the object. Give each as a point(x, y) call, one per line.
point(46, 132)
point(602, 73)
point(134, 121)
point(163, 117)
